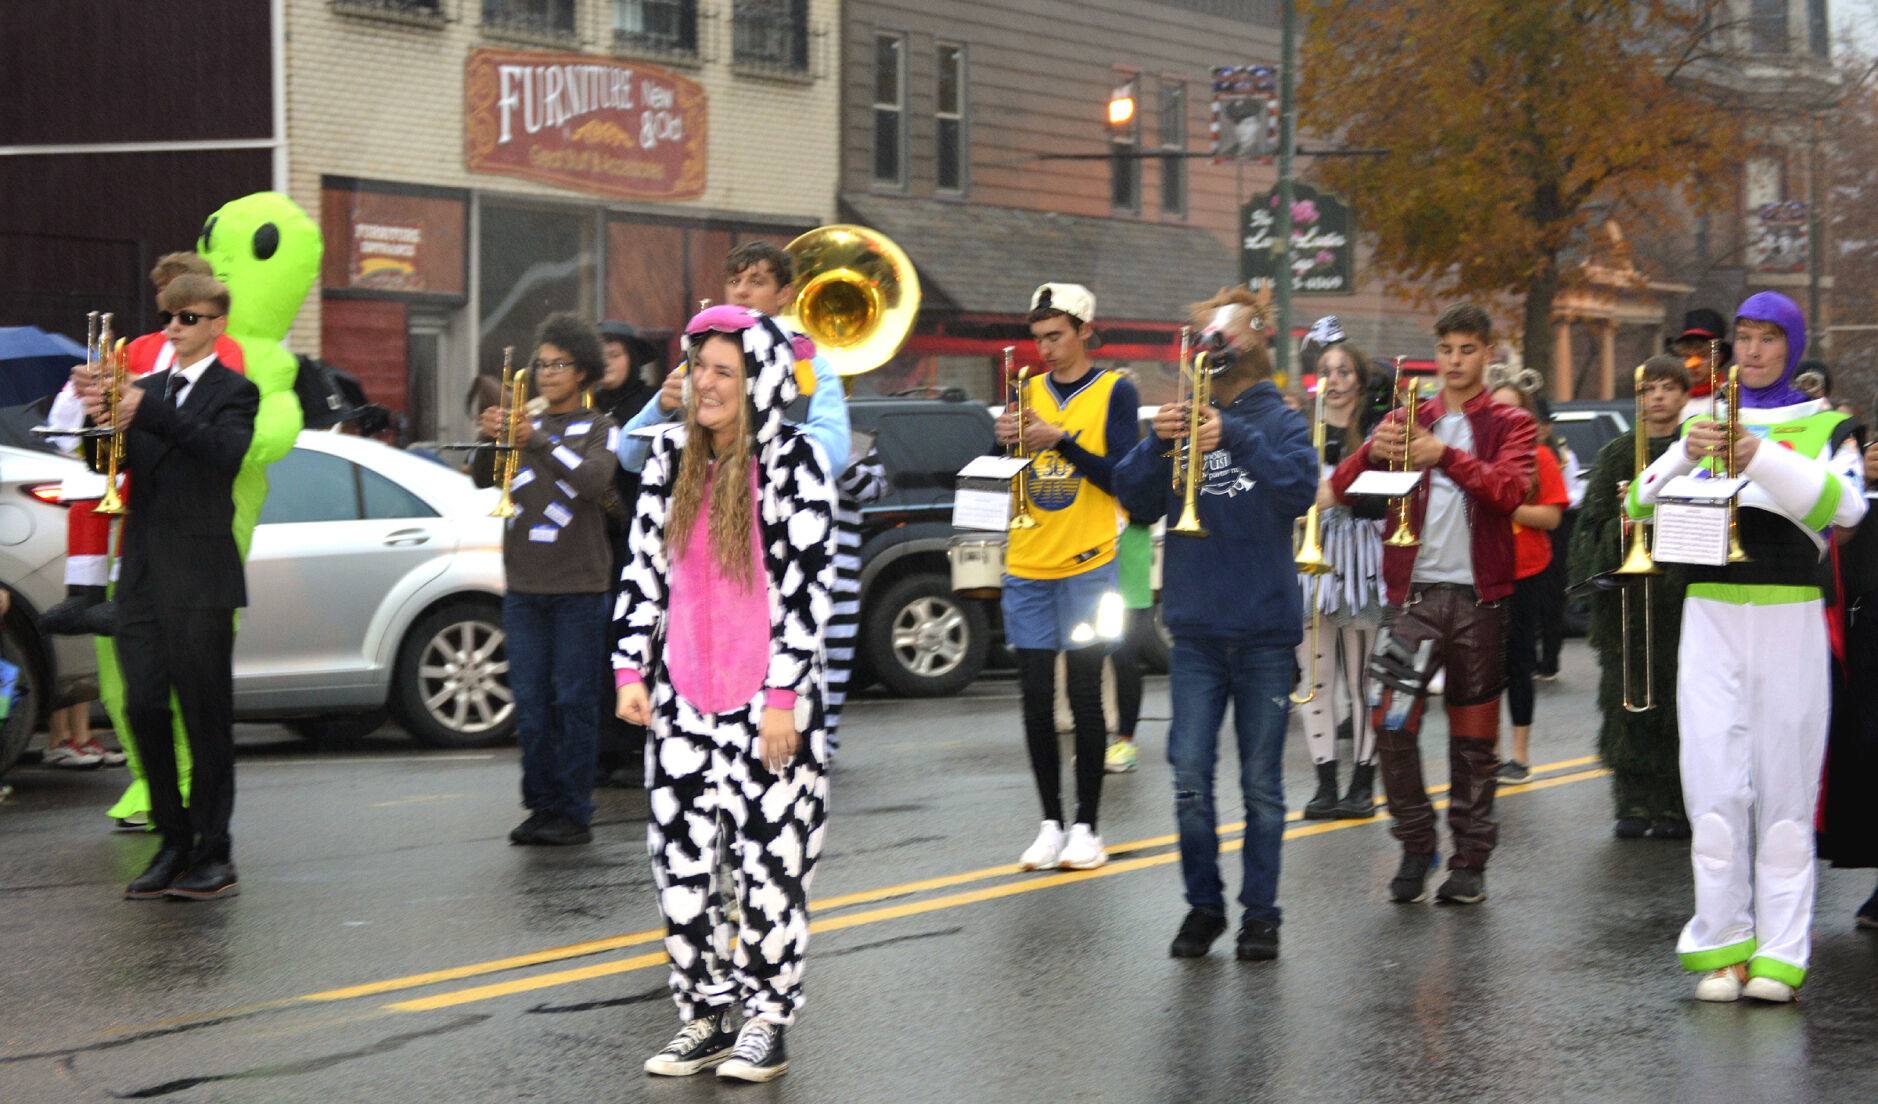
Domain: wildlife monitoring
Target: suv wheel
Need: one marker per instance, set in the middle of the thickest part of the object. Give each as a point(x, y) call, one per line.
point(921, 640)
point(451, 685)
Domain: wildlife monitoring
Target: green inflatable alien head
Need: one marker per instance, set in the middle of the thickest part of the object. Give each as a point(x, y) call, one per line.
point(266, 249)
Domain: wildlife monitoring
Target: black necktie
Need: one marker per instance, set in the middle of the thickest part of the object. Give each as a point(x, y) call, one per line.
point(173, 390)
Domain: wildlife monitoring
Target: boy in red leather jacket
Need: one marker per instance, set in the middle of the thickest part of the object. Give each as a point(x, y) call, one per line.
point(1447, 602)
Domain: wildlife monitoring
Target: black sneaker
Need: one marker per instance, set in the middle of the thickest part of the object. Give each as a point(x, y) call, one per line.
point(1868, 913)
point(1197, 933)
point(758, 1055)
point(560, 831)
point(1631, 827)
point(1463, 887)
point(529, 830)
point(1669, 827)
point(1258, 941)
point(701, 1044)
point(1512, 772)
point(1410, 883)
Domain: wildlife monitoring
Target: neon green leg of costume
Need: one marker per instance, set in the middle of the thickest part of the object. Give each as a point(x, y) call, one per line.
point(136, 799)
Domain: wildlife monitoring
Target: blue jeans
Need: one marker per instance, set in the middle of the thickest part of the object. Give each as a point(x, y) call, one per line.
point(1203, 677)
point(552, 640)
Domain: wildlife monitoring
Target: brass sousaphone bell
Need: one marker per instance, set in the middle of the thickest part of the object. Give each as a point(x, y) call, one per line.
point(857, 296)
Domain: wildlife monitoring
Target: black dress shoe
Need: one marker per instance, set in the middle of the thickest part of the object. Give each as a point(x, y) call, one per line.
point(156, 878)
point(207, 880)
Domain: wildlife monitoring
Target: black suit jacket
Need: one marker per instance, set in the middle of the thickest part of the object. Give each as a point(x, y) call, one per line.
point(178, 546)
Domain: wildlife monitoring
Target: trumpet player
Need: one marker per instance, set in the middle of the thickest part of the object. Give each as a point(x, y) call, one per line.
point(1061, 578)
point(1753, 679)
point(186, 431)
point(1349, 598)
point(1230, 599)
point(558, 565)
point(1637, 746)
point(1447, 595)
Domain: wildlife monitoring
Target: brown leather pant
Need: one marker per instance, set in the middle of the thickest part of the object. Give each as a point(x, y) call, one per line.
point(1470, 645)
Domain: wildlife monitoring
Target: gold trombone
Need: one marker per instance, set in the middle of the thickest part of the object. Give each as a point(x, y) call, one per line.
point(1189, 458)
point(116, 367)
point(1407, 394)
point(1310, 558)
point(509, 457)
point(1021, 517)
point(1638, 565)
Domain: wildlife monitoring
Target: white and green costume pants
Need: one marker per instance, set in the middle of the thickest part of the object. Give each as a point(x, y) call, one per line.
point(1753, 699)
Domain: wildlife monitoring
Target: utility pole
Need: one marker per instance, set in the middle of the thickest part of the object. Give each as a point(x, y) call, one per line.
point(1287, 139)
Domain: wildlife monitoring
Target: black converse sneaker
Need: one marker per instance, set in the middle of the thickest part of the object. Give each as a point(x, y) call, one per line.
point(759, 1055)
point(1410, 883)
point(703, 1043)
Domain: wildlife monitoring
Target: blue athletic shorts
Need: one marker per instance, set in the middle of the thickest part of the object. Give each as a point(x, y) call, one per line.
point(1060, 614)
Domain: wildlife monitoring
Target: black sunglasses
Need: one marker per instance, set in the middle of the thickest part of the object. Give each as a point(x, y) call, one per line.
point(187, 318)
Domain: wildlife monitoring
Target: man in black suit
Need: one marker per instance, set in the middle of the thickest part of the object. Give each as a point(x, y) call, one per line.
point(179, 583)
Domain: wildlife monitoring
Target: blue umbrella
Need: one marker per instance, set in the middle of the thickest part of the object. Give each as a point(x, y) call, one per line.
point(34, 363)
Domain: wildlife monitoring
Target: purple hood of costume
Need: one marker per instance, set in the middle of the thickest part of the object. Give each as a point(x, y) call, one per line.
point(1771, 306)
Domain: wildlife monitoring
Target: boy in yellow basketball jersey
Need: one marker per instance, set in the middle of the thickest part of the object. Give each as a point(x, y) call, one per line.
point(1061, 586)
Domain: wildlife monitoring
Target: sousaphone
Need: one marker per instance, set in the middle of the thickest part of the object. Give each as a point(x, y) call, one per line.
point(858, 296)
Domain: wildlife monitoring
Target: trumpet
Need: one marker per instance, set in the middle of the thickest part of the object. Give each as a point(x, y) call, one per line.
point(1021, 517)
point(1732, 434)
point(509, 457)
point(1310, 557)
point(116, 368)
point(1639, 565)
point(1189, 458)
point(1407, 392)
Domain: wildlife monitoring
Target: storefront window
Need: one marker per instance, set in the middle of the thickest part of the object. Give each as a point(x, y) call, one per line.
point(533, 262)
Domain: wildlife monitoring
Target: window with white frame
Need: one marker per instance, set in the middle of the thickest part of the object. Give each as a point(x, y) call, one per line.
point(890, 109)
point(949, 153)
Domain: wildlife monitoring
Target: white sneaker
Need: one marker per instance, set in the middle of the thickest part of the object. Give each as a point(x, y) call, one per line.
point(1042, 854)
point(1084, 850)
point(1720, 985)
point(1767, 989)
point(73, 758)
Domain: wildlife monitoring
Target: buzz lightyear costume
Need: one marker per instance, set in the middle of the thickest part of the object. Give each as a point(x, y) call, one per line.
point(1752, 693)
point(266, 250)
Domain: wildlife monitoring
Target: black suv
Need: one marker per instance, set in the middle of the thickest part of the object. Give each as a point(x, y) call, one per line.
point(917, 637)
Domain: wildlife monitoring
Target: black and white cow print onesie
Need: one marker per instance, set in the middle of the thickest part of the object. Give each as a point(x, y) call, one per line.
point(707, 784)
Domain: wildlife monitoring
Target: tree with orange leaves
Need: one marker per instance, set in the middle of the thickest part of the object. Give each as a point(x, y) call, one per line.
point(1514, 130)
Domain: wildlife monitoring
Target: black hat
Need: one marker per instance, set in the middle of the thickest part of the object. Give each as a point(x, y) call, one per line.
point(1703, 324)
point(639, 349)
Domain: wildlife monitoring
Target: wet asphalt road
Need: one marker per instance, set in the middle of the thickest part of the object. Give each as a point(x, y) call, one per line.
point(390, 945)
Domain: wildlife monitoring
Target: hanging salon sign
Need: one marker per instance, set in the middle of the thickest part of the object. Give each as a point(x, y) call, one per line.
point(1323, 249)
point(598, 125)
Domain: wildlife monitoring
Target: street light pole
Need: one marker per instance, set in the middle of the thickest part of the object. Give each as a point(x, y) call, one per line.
point(1287, 139)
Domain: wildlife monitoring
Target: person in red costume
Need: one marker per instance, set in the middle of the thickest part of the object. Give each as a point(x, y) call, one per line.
point(87, 532)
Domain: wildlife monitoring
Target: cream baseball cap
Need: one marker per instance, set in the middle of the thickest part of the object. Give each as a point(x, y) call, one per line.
point(1071, 299)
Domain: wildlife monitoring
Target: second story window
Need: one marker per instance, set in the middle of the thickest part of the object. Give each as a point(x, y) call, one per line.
point(1124, 140)
point(537, 17)
point(1767, 26)
point(771, 34)
point(949, 119)
point(1174, 140)
point(667, 26)
point(889, 109)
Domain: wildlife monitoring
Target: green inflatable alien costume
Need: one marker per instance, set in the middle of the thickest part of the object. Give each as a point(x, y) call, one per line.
point(266, 249)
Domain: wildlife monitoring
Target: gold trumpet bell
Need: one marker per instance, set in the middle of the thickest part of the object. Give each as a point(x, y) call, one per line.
point(1402, 537)
point(1189, 523)
point(1637, 561)
point(112, 503)
point(505, 506)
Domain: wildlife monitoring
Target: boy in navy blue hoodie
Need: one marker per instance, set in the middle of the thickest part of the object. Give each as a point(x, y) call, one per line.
point(1231, 601)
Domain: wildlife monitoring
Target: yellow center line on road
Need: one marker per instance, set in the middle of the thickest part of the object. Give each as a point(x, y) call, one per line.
point(914, 908)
